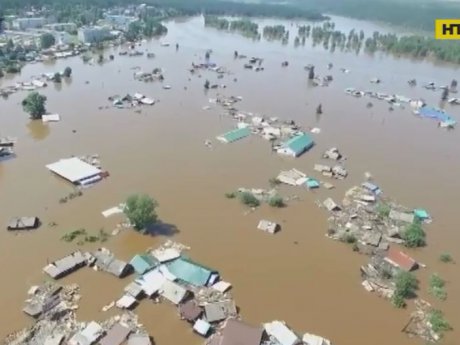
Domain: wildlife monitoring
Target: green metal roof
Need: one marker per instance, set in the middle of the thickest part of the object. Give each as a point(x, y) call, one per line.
point(299, 143)
point(143, 263)
point(190, 271)
point(236, 134)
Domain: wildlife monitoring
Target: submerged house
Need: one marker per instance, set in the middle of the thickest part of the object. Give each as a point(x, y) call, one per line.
point(400, 260)
point(66, 265)
point(236, 332)
point(87, 336)
point(116, 335)
point(76, 171)
point(107, 262)
point(282, 333)
point(143, 263)
point(297, 145)
point(234, 135)
point(23, 223)
point(192, 273)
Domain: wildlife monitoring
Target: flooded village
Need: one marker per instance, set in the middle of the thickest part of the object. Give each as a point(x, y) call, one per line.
point(303, 196)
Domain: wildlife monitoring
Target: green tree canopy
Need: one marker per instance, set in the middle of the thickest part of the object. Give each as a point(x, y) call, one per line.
point(47, 40)
point(67, 72)
point(140, 211)
point(413, 235)
point(405, 286)
point(57, 77)
point(34, 104)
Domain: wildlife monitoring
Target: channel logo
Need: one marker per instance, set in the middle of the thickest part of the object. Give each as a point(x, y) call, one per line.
point(447, 29)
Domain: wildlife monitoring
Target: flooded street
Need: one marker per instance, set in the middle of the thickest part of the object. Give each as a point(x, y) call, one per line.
point(298, 275)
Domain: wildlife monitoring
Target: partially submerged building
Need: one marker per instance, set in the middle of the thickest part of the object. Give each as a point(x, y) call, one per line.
point(192, 273)
point(173, 292)
point(89, 335)
point(143, 263)
point(234, 135)
point(76, 171)
point(297, 145)
point(400, 260)
point(66, 265)
point(267, 226)
point(281, 333)
point(190, 311)
point(236, 332)
point(116, 335)
point(106, 261)
point(23, 223)
point(219, 311)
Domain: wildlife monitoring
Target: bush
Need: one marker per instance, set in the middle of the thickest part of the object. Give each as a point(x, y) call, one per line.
point(1, 73)
point(273, 181)
point(13, 69)
point(445, 257)
point(57, 77)
point(355, 247)
point(414, 236)
point(437, 321)
point(249, 199)
point(437, 287)
point(349, 238)
point(276, 201)
point(140, 211)
point(230, 195)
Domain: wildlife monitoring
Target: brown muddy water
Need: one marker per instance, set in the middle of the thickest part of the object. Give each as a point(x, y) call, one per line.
point(313, 285)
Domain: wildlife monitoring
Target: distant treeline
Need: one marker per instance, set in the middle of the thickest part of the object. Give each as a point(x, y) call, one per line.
point(243, 26)
point(183, 7)
point(414, 14)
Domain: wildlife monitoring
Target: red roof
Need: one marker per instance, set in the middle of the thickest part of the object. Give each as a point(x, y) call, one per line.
point(400, 259)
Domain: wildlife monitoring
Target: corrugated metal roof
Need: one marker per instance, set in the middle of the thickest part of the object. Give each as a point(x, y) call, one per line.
point(190, 271)
point(173, 292)
point(299, 143)
point(116, 335)
point(281, 333)
point(73, 169)
point(143, 263)
point(236, 332)
point(235, 134)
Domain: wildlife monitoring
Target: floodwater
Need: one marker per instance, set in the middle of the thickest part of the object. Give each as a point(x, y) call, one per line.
point(298, 275)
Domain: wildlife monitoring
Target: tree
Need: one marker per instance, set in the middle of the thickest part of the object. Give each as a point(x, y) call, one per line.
point(34, 104)
point(414, 236)
point(445, 257)
point(67, 72)
point(445, 94)
point(206, 84)
point(1, 73)
point(140, 211)
point(47, 40)
point(57, 77)
point(311, 73)
point(406, 284)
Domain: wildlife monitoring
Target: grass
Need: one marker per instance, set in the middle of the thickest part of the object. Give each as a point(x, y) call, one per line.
point(83, 237)
point(249, 199)
point(437, 287)
point(276, 201)
point(446, 258)
point(438, 322)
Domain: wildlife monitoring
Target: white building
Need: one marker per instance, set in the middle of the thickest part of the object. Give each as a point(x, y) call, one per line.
point(94, 34)
point(28, 23)
point(68, 27)
point(62, 37)
point(119, 22)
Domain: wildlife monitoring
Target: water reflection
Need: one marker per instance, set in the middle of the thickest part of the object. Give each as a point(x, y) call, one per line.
point(38, 130)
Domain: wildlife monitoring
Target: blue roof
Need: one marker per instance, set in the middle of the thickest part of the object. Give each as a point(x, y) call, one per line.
point(436, 114)
point(143, 263)
point(299, 143)
point(236, 134)
point(190, 271)
point(312, 183)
